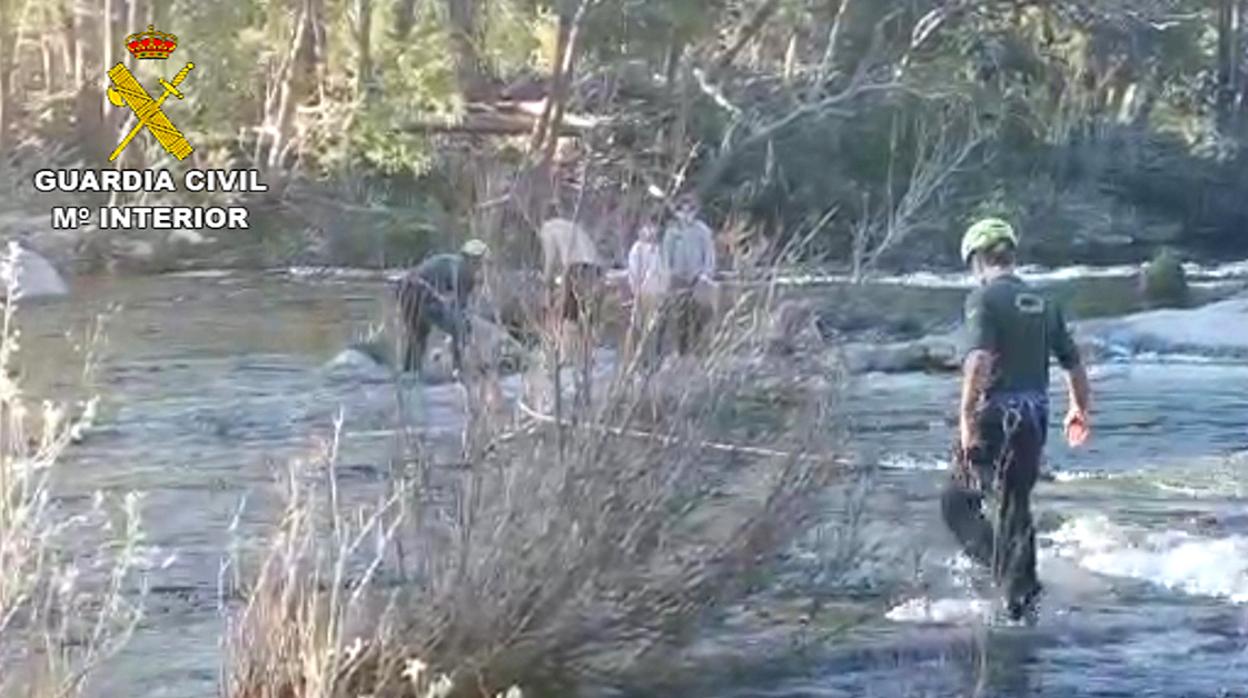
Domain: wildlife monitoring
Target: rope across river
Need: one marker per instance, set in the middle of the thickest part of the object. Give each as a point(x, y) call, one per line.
point(737, 449)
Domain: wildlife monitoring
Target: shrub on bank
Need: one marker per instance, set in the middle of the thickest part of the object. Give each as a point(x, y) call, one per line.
point(59, 617)
point(574, 551)
point(1163, 283)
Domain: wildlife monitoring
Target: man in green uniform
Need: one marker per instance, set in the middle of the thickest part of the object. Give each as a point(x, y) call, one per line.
point(1011, 332)
point(436, 294)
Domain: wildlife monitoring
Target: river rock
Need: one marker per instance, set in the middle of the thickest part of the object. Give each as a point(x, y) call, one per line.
point(1215, 330)
point(359, 365)
point(134, 250)
point(491, 348)
point(36, 277)
point(191, 238)
point(934, 353)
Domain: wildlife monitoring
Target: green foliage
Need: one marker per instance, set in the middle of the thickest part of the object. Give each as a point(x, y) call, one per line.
point(513, 38)
point(1108, 132)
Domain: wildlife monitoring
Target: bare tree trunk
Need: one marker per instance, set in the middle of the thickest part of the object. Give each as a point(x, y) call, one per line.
point(7, 21)
point(680, 127)
point(464, 37)
point(298, 78)
point(6, 88)
point(65, 40)
point(363, 30)
point(556, 70)
point(73, 43)
point(89, 101)
point(158, 13)
point(133, 13)
point(828, 65)
point(108, 48)
point(671, 62)
point(746, 34)
point(1228, 19)
point(570, 24)
point(404, 19)
point(280, 100)
point(45, 49)
point(309, 65)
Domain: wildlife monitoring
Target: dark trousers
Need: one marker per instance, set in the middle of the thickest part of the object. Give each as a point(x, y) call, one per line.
point(581, 297)
point(1003, 468)
point(686, 318)
point(421, 311)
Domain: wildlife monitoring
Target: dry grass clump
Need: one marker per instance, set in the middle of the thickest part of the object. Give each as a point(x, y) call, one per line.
point(59, 618)
point(579, 550)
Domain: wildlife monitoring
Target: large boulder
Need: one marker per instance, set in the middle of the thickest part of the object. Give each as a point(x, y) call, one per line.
point(35, 275)
point(491, 348)
point(1215, 330)
point(934, 353)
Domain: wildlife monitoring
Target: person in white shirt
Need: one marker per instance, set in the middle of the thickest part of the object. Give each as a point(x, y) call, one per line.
point(647, 286)
point(574, 277)
point(689, 256)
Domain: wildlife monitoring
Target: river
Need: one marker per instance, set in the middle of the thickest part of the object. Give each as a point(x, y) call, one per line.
point(211, 381)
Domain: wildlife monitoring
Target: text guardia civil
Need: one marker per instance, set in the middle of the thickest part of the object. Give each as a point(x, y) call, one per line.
point(150, 181)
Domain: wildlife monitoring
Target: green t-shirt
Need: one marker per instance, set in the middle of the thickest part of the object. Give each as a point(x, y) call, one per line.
point(448, 275)
point(1021, 329)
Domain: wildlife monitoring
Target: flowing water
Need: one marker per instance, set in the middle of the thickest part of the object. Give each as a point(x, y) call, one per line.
point(210, 382)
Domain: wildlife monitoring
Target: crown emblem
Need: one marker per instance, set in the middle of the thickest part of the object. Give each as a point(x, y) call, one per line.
point(151, 44)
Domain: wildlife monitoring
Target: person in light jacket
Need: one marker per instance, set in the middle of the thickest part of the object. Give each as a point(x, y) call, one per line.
point(689, 257)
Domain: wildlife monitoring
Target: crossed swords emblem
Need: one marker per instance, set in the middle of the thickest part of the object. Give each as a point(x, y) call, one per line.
point(126, 90)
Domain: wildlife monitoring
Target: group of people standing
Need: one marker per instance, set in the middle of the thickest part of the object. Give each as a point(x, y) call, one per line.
point(1012, 331)
point(669, 288)
point(671, 282)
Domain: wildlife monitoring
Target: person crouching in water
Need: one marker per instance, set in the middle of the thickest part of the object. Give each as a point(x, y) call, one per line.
point(1011, 332)
point(647, 287)
point(689, 257)
point(436, 294)
point(574, 276)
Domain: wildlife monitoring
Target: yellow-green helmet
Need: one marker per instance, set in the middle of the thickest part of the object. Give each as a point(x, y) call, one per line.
point(475, 248)
point(986, 234)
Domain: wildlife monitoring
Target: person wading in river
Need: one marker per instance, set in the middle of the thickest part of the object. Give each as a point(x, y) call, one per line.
point(436, 294)
point(1011, 332)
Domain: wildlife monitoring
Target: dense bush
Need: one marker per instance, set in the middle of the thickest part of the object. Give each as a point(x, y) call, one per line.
point(1163, 283)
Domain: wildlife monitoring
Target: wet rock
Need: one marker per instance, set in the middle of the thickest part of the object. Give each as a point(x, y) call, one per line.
point(491, 348)
point(134, 250)
point(1163, 283)
point(935, 353)
point(192, 238)
point(1215, 330)
point(36, 277)
point(355, 358)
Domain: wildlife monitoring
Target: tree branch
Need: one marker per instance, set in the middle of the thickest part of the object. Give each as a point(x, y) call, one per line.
point(937, 159)
point(748, 32)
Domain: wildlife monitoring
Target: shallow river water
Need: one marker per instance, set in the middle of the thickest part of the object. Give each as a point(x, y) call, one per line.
point(210, 382)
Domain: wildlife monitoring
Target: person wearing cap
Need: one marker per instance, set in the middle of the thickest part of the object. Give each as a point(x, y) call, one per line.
point(436, 294)
point(1011, 331)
